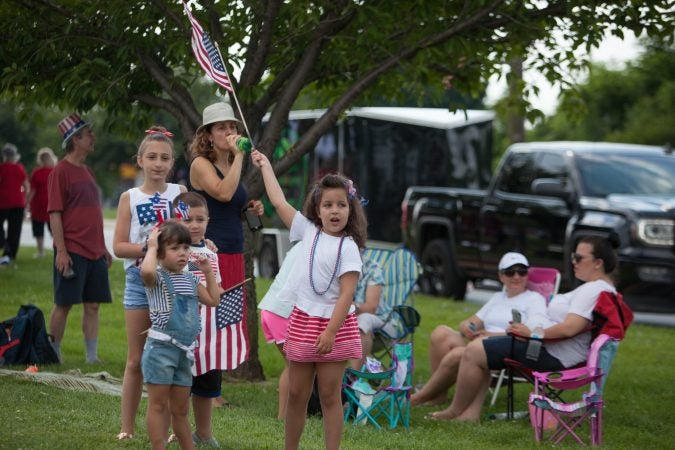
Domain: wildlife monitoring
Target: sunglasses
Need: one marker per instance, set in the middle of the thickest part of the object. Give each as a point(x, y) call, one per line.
point(512, 272)
point(577, 258)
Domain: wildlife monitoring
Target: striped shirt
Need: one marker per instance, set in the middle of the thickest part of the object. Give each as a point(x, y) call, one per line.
point(159, 301)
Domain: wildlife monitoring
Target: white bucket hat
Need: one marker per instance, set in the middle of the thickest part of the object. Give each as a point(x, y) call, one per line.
point(217, 112)
point(511, 259)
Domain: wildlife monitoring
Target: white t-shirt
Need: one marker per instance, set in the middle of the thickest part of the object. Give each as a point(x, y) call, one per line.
point(496, 313)
point(581, 301)
point(323, 267)
point(280, 297)
point(144, 215)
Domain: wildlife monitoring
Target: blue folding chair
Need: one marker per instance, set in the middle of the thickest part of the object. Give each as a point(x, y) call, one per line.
point(374, 394)
point(401, 271)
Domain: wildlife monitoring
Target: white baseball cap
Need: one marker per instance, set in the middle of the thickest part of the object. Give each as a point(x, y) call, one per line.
point(511, 259)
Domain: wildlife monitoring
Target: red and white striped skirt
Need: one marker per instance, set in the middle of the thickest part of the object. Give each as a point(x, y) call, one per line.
point(303, 330)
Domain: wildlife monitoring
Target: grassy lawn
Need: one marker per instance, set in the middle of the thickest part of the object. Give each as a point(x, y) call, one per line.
point(638, 402)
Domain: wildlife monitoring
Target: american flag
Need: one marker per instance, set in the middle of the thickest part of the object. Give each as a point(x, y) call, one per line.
point(150, 213)
point(230, 310)
point(221, 346)
point(207, 53)
point(161, 207)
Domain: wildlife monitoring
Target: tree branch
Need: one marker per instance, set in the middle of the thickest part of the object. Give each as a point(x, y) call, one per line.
point(259, 46)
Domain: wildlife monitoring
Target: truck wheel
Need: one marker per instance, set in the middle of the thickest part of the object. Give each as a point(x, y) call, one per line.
point(268, 264)
point(440, 276)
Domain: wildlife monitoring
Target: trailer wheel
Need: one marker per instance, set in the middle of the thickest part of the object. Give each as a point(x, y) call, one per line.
point(268, 263)
point(440, 277)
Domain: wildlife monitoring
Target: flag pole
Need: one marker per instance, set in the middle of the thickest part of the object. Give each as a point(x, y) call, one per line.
point(234, 94)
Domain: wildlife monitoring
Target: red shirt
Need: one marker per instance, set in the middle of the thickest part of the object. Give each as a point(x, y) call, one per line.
point(74, 193)
point(39, 185)
point(12, 176)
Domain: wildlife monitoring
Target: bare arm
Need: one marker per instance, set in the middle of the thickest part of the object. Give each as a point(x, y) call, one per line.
point(203, 176)
point(326, 340)
point(373, 293)
point(285, 210)
point(121, 245)
point(209, 295)
point(63, 259)
point(149, 264)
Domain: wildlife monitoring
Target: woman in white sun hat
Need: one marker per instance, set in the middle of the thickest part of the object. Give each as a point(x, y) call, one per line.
point(215, 173)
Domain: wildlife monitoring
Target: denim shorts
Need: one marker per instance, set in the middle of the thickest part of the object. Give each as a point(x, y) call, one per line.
point(134, 290)
point(164, 363)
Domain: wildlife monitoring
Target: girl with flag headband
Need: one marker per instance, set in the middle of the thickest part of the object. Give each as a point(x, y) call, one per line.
point(139, 210)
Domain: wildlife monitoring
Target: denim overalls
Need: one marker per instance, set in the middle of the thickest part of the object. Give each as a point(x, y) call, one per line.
point(169, 353)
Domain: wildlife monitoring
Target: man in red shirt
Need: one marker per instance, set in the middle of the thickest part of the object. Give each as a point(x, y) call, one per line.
point(81, 259)
point(13, 191)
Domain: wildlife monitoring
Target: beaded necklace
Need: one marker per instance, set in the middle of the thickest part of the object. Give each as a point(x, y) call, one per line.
point(311, 263)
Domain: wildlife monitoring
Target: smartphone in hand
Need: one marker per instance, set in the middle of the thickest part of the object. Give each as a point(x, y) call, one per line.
point(252, 220)
point(517, 318)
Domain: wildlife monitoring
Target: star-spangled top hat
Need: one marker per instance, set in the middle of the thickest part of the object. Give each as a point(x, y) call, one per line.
point(69, 126)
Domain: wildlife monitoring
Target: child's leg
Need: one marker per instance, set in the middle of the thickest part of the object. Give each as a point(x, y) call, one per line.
point(180, 407)
point(157, 417)
point(136, 321)
point(205, 388)
point(283, 386)
point(300, 381)
point(329, 377)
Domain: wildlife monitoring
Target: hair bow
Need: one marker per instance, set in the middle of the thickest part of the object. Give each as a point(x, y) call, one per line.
point(165, 133)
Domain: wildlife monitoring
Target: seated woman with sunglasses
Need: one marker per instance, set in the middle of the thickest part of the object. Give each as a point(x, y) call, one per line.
point(569, 315)
point(447, 345)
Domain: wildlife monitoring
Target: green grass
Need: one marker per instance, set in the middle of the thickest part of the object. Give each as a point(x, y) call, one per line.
point(638, 410)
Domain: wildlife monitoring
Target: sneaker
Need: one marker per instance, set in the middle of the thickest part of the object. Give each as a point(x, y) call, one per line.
point(210, 442)
point(5, 261)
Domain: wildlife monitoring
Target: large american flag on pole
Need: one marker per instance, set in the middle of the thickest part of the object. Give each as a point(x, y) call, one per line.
point(207, 53)
point(222, 344)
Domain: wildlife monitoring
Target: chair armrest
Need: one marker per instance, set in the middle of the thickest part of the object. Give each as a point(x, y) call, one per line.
point(567, 379)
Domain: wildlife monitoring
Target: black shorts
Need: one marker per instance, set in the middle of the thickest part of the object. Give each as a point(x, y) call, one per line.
point(207, 384)
point(499, 347)
point(39, 228)
point(89, 285)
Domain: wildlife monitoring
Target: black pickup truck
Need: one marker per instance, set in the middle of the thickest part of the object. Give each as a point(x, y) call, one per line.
point(542, 199)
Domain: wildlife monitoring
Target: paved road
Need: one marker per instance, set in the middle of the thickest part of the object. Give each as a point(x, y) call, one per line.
point(27, 239)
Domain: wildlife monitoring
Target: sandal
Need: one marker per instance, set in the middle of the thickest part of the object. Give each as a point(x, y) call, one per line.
point(122, 436)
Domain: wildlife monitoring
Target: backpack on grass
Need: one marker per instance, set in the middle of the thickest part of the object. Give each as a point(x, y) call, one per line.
point(24, 340)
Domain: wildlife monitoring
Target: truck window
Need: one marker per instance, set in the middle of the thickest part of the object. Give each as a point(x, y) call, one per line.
point(517, 173)
point(552, 165)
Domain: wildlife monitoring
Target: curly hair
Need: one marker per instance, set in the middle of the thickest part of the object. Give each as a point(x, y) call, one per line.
point(356, 222)
point(201, 146)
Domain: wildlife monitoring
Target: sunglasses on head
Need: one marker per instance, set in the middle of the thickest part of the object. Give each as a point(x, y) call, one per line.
point(577, 258)
point(511, 272)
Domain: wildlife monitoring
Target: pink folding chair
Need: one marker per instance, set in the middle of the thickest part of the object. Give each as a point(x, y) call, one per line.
point(569, 416)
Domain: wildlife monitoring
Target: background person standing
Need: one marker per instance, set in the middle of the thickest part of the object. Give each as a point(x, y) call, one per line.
point(38, 196)
point(81, 260)
point(13, 191)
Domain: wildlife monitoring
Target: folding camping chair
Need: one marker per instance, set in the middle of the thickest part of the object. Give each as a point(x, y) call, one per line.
point(611, 316)
point(373, 392)
point(569, 416)
point(400, 270)
point(545, 281)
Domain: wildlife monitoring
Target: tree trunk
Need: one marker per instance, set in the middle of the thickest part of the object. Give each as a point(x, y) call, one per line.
point(515, 115)
point(251, 370)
